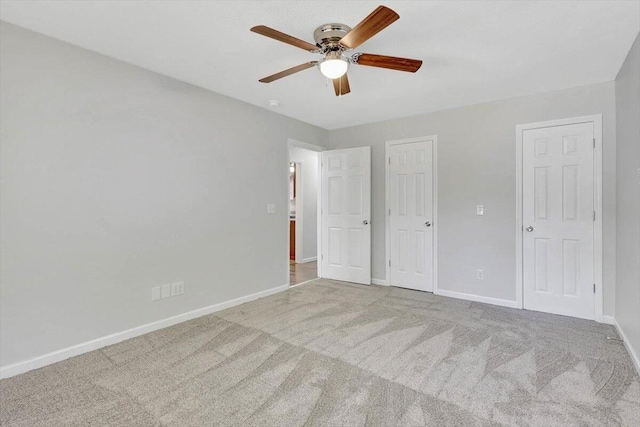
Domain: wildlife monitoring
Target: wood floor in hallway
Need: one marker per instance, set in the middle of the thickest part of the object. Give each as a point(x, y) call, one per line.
point(303, 272)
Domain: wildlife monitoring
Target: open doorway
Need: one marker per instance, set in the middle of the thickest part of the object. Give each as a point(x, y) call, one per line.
point(303, 213)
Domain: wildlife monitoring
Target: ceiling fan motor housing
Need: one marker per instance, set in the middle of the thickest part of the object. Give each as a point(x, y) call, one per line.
point(328, 36)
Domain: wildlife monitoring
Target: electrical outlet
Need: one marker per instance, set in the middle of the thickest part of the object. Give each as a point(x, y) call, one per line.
point(480, 274)
point(177, 288)
point(271, 208)
point(155, 293)
point(166, 291)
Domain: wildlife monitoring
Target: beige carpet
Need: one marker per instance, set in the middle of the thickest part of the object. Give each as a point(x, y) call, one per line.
point(336, 354)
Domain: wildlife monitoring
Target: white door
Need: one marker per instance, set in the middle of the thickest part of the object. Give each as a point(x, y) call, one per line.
point(558, 220)
point(346, 215)
point(410, 210)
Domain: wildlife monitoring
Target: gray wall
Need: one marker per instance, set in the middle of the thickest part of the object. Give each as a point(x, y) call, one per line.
point(309, 160)
point(116, 179)
point(476, 165)
point(628, 197)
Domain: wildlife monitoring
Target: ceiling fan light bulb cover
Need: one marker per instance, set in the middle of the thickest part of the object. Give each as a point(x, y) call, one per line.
point(334, 66)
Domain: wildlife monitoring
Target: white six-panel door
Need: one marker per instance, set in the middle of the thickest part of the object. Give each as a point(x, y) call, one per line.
point(410, 210)
point(346, 215)
point(558, 219)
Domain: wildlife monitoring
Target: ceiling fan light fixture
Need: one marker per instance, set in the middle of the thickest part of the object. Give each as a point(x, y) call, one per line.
point(333, 40)
point(334, 65)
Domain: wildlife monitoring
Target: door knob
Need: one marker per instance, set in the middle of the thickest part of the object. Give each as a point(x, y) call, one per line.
point(529, 229)
point(428, 224)
point(365, 222)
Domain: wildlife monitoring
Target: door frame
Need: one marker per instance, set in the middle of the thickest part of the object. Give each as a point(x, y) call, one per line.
point(387, 204)
point(299, 227)
point(318, 149)
point(596, 120)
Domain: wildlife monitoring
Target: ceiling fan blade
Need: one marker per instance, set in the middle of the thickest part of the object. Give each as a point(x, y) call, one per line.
point(285, 38)
point(288, 72)
point(377, 21)
point(341, 85)
point(390, 62)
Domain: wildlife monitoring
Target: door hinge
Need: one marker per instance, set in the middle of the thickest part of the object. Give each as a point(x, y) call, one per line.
point(389, 263)
point(594, 143)
point(594, 215)
point(594, 288)
point(389, 212)
point(322, 256)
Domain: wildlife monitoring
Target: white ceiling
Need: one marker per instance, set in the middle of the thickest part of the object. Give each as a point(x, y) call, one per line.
point(473, 52)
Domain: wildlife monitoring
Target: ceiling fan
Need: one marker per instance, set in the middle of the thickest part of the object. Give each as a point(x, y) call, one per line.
point(334, 40)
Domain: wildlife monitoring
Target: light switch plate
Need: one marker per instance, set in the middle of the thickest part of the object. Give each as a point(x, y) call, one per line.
point(166, 291)
point(155, 293)
point(479, 210)
point(271, 208)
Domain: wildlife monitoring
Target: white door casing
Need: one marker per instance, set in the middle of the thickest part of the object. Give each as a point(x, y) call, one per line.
point(558, 216)
point(299, 227)
point(318, 149)
point(346, 215)
point(410, 211)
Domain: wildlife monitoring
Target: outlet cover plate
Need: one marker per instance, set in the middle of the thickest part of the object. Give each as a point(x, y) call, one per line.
point(177, 288)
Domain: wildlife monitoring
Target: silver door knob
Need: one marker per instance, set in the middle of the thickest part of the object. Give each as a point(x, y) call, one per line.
point(428, 224)
point(529, 229)
point(365, 222)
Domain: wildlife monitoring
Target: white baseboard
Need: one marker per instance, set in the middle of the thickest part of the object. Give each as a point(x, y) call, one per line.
point(609, 320)
point(477, 298)
point(379, 282)
point(65, 353)
point(632, 352)
point(305, 260)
